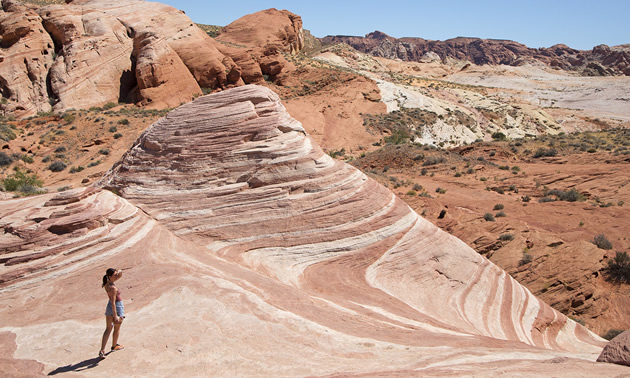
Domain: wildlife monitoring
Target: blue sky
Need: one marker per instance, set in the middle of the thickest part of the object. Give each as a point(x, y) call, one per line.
point(578, 23)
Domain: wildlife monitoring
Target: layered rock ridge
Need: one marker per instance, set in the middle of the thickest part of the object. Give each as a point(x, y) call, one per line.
point(234, 172)
point(602, 60)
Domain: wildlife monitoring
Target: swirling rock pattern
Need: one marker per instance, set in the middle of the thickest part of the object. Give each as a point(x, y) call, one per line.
point(249, 251)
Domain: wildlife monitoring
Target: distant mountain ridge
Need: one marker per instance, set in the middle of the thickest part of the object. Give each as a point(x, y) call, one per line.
point(602, 60)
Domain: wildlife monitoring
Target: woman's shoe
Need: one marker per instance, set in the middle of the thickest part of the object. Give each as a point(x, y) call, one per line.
point(101, 354)
point(118, 347)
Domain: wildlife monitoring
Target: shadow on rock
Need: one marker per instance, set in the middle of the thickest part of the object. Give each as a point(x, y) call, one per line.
point(83, 365)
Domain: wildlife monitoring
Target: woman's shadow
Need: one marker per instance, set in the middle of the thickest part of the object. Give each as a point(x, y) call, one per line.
point(83, 365)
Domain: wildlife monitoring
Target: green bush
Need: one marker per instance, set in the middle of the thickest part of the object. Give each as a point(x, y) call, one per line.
point(602, 242)
point(488, 217)
point(57, 166)
point(498, 206)
point(618, 269)
point(433, 161)
point(113, 129)
point(543, 152)
point(104, 151)
point(500, 214)
point(571, 195)
point(123, 121)
point(498, 136)
point(6, 133)
point(68, 118)
point(119, 135)
point(399, 136)
point(60, 149)
point(5, 159)
point(612, 333)
point(22, 181)
point(526, 259)
point(77, 169)
point(506, 237)
point(440, 190)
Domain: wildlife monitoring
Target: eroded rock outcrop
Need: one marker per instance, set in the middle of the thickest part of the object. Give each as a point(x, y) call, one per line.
point(617, 351)
point(279, 28)
point(25, 59)
point(91, 52)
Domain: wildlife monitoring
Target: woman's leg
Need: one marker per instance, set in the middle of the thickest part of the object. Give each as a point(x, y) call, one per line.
point(109, 320)
point(116, 333)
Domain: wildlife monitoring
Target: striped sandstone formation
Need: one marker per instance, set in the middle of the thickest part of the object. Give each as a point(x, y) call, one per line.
point(249, 251)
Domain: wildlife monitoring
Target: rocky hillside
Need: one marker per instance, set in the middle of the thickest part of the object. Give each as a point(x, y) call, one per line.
point(274, 255)
point(93, 52)
point(601, 61)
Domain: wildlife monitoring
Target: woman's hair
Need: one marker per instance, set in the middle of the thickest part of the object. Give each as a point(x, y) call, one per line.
point(108, 273)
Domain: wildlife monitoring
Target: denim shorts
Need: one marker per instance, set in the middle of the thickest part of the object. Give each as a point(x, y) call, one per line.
point(120, 309)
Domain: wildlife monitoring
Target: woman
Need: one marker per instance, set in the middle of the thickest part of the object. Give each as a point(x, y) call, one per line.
point(115, 311)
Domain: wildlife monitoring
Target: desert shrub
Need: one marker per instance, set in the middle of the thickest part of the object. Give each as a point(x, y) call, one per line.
point(123, 121)
point(46, 159)
point(602, 242)
point(113, 129)
point(488, 217)
point(526, 259)
point(109, 105)
point(27, 159)
point(543, 152)
point(418, 157)
point(525, 198)
point(500, 214)
point(417, 187)
point(22, 181)
point(571, 195)
point(119, 135)
point(423, 172)
point(6, 133)
point(506, 237)
point(411, 193)
point(77, 169)
point(68, 118)
point(433, 161)
point(618, 268)
point(504, 167)
point(612, 333)
point(399, 136)
point(516, 168)
point(440, 190)
point(5, 159)
point(483, 179)
point(546, 199)
point(60, 149)
point(498, 136)
point(498, 206)
point(103, 151)
point(94, 163)
point(57, 166)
